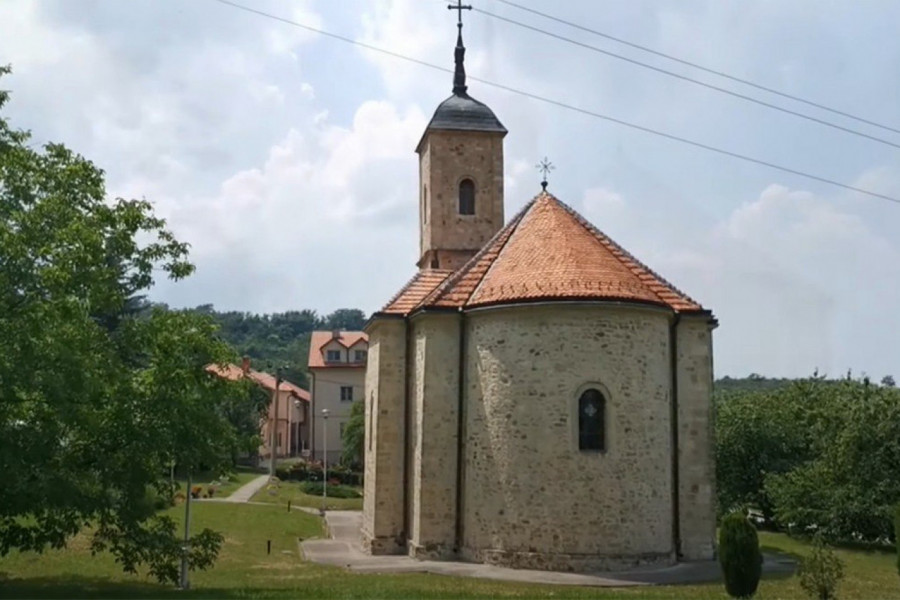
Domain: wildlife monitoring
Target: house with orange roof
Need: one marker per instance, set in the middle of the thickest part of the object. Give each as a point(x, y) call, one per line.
point(537, 397)
point(288, 411)
point(337, 369)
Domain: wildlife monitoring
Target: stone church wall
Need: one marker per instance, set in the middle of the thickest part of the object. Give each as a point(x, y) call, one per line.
point(697, 495)
point(435, 405)
point(531, 498)
point(382, 528)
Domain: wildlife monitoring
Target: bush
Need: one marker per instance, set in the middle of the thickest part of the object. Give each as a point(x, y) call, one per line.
point(821, 571)
point(314, 488)
point(159, 498)
point(739, 555)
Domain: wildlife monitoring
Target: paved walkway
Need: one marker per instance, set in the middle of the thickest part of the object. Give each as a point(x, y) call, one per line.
point(344, 550)
point(245, 492)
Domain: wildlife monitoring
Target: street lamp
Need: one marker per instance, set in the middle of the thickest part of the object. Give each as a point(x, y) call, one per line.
point(273, 450)
point(324, 459)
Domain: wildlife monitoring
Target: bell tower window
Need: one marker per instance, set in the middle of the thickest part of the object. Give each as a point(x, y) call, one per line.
point(467, 197)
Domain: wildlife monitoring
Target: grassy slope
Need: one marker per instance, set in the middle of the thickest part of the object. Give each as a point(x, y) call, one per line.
point(290, 490)
point(244, 570)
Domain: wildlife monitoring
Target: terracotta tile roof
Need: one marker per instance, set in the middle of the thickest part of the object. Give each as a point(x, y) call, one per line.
point(235, 373)
point(416, 289)
point(550, 252)
point(319, 339)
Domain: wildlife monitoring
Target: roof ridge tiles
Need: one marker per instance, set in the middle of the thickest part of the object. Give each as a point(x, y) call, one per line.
point(636, 266)
point(438, 294)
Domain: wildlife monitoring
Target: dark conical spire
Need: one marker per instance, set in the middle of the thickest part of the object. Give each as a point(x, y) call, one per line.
point(459, 74)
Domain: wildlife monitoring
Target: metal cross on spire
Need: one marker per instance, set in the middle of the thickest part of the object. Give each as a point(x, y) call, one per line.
point(545, 166)
point(459, 73)
point(459, 8)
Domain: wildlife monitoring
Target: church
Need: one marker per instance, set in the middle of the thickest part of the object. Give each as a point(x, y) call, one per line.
point(536, 397)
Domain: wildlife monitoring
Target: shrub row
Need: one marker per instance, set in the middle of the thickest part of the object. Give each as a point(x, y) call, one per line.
point(314, 488)
point(312, 471)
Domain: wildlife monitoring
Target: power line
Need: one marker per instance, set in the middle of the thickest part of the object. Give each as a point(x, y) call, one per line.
point(689, 79)
point(701, 67)
point(561, 104)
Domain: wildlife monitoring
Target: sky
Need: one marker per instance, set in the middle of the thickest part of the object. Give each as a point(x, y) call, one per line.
point(286, 158)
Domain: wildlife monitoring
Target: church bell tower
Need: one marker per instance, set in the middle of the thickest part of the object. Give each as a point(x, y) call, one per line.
point(460, 175)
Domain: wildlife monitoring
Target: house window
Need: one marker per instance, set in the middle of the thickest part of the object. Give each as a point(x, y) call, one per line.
point(333, 356)
point(359, 355)
point(591, 420)
point(467, 197)
point(346, 393)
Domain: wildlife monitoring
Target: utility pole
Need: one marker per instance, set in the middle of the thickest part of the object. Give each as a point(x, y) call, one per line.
point(186, 548)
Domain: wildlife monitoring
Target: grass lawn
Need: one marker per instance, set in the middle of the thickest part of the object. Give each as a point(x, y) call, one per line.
point(244, 570)
point(226, 488)
point(290, 490)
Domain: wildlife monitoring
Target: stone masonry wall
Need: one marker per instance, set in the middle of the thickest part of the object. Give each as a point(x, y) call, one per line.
point(531, 498)
point(434, 456)
point(448, 157)
point(382, 528)
point(696, 456)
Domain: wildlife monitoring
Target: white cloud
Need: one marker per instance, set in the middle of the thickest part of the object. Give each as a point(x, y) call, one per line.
point(316, 223)
point(794, 280)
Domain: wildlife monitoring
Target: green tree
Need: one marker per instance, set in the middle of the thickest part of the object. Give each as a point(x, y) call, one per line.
point(354, 436)
point(739, 555)
point(758, 434)
point(849, 484)
point(97, 398)
point(245, 412)
point(350, 319)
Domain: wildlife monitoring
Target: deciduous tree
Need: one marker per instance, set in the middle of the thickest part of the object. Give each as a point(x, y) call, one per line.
point(96, 398)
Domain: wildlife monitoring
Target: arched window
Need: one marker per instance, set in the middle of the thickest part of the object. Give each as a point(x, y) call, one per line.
point(467, 197)
point(592, 420)
point(424, 204)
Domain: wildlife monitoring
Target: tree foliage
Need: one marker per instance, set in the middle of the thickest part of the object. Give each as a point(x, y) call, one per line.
point(98, 393)
point(816, 456)
point(354, 436)
point(739, 555)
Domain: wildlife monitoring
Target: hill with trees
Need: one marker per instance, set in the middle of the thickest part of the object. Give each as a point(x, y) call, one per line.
point(280, 339)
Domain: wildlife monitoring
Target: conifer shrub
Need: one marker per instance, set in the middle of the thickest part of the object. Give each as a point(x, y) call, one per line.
point(897, 535)
point(821, 571)
point(739, 555)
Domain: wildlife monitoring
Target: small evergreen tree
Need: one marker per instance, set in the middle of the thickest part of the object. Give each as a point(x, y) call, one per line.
point(821, 571)
point(897, 535)
point(739, 555)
